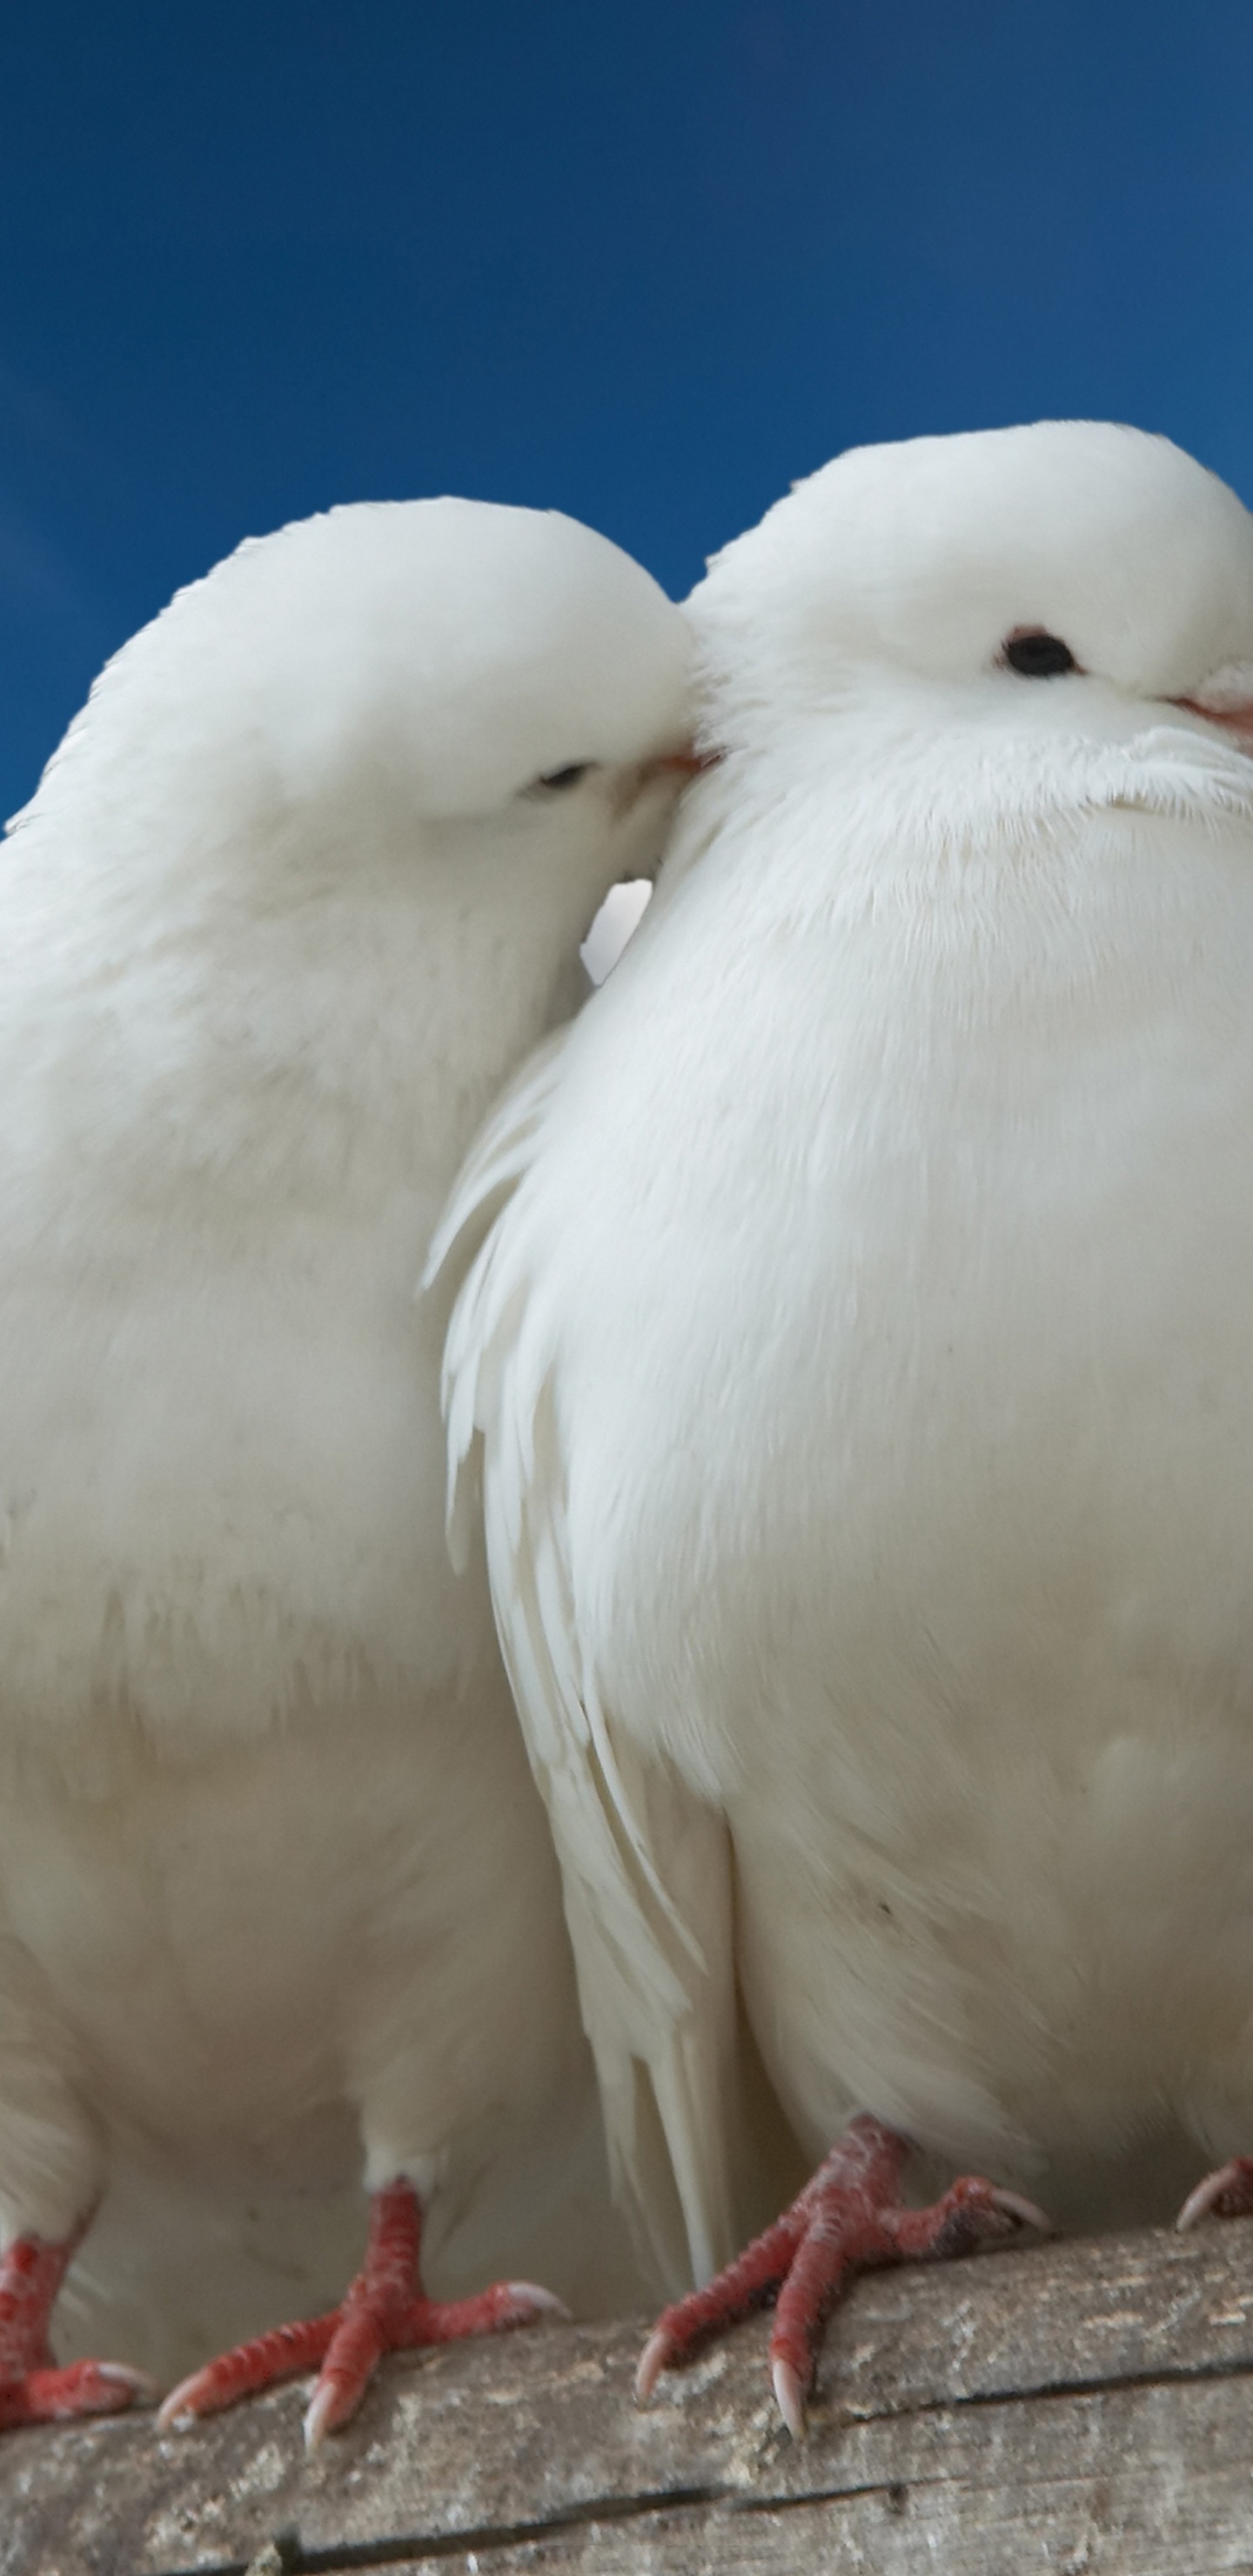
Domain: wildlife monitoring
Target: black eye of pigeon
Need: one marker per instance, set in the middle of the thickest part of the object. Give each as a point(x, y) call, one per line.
point(568, 777)
point(1038, 657)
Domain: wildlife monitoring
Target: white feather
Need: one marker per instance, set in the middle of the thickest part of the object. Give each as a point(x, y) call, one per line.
point(275, 1888)
point(879, 1273)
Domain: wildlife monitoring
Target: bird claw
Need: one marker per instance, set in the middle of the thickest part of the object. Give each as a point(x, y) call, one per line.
point(346, 2372)
point(652, 2361)
point(385, 2311)
point(973, 2214)
point(32, 2388)
point(847, 2219)
point(788, 2386)
point(52, 2396)
point(531, 2301)
point(186, 2403)
point(120, 2375)
point(1225, 2193)
point(1025, 2213)
point(325, 2411)
point(790, 2393)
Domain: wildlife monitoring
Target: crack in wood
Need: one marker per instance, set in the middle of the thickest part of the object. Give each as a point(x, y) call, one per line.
point(295, 2560)
point(287, 2556)
point(1042, 2390)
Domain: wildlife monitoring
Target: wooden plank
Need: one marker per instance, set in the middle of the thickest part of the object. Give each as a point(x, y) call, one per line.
point(1083, 2409)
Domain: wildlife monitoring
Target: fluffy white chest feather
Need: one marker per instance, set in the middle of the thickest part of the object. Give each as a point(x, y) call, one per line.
point(910, 1523)
point(272, 1867)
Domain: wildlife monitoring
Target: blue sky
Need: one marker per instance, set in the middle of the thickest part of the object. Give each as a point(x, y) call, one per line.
point(647, 263)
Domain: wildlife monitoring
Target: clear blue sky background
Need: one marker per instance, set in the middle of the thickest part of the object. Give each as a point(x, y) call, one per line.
point(647, 262)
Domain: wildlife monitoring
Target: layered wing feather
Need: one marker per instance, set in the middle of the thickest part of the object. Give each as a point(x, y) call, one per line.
point(645, 1864)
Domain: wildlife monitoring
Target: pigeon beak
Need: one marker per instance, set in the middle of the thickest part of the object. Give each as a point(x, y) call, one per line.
point(1225, 697)
point(687, 763)
point(1237, 719)
point(674, 768)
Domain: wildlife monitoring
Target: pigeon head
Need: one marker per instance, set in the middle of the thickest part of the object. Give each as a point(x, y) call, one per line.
point(438, 682)
point(481, 654)
point(1072, 577)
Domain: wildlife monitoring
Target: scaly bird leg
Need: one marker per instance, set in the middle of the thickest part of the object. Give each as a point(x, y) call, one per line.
point(385, 2310)
point(848, 2219)
point(32, 2389)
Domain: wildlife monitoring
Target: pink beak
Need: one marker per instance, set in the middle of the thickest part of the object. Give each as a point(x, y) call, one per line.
point(679, 764)
point(1234, 720)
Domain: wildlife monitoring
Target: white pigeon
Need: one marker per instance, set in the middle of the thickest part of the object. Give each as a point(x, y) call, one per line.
point(305, 881)
point(865, 1364)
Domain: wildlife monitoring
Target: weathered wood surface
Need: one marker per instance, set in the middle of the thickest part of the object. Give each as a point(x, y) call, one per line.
point(1081, 2409)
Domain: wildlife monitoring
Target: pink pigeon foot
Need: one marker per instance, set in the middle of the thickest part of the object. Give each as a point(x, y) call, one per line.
point(1225, 2193)
point(385, 2310)
point(32, 2389)
point(848, 2219)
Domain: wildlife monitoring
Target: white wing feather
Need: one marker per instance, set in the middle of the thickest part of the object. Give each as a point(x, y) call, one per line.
point(645, 1864)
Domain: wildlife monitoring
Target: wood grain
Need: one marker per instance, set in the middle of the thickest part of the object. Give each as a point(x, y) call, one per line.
point(1081, 2409)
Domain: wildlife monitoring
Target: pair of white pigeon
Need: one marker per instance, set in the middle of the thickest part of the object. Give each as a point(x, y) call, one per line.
point(856, 1308)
